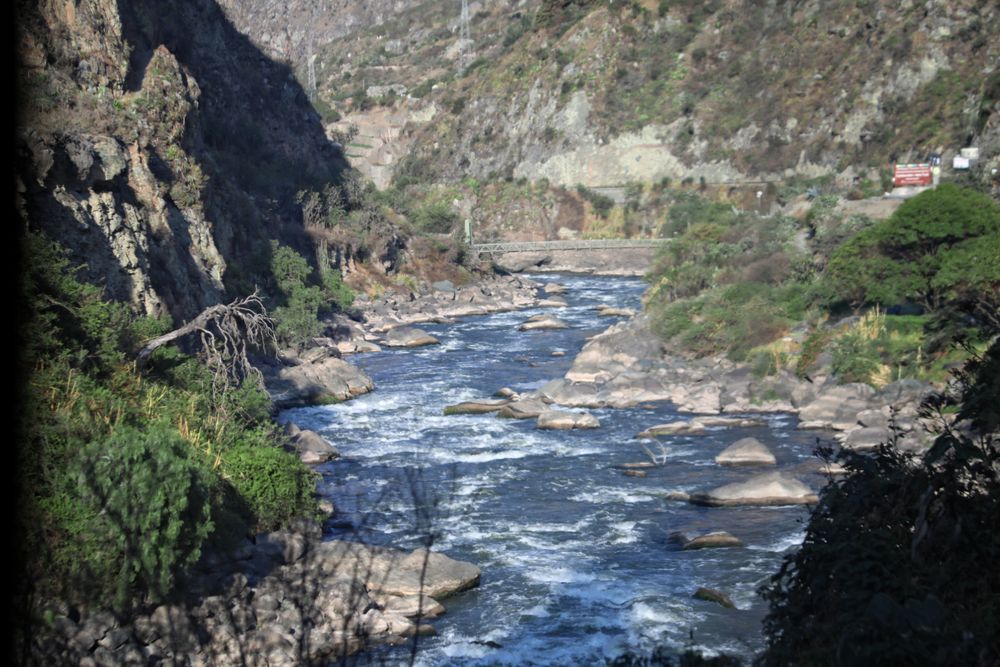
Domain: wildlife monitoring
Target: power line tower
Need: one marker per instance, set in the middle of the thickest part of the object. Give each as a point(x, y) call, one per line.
point(464, 36)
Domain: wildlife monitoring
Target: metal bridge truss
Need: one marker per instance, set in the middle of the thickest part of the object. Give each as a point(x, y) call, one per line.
point(588, 244)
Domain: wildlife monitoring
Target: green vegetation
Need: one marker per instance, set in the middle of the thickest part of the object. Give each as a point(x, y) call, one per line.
point(732, 283)
point(939, 246)
point(601, 203)
point(127, 475)
point(302, 299)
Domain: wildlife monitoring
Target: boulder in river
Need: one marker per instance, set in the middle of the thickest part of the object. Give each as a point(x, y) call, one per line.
point(771, 488)
point(409, 337)
point(564, 420)
point(542, 322)
point(328, 380)
point(524, 409)
point(476, 407)
point(693, 427)
point(712, 540)
point(313, 448)
point(554, 288)
point(746, 452)
point(712, 595)
point(553, 302)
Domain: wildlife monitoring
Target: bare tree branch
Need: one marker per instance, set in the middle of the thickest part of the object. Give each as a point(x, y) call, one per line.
point(226, 333)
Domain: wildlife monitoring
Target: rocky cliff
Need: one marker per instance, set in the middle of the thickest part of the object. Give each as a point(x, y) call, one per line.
point(602, 94)
point(162, 148)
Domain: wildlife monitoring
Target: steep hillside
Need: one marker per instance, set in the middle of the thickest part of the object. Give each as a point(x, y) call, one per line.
point(601, 94)
point(165, 151)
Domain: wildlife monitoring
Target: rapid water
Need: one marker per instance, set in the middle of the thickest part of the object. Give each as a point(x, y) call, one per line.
point(577, 565)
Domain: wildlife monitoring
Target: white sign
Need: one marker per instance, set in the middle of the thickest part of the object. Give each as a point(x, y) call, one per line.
point(972, 153)
point(960, 162)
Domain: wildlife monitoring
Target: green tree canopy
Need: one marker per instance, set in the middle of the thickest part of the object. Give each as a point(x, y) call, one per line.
point(937, 246)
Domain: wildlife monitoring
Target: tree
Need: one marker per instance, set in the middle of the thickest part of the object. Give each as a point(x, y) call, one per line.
point(939, 244)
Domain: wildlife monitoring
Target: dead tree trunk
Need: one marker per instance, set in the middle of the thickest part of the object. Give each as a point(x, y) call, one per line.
point(226, 333)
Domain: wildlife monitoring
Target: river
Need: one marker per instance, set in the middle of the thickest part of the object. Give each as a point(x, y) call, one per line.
point(577, 564)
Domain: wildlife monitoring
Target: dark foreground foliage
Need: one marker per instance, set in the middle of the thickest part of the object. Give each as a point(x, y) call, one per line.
point(899, 563)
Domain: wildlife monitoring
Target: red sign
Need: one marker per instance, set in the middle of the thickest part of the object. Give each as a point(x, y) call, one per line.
point(912, 174)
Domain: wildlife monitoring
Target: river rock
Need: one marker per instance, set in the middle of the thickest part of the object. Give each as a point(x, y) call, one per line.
point(523, 409)
point(571, 394)
point(412, 606)
point(605, 310)
point(562, 420)
point(712, 595)
point(746, 452)
point(357, 346)
point(313, 448)
point(476, 407)
point(772, 488)
point(711, 541)
point(553, 302)
point(409, 337)
point(542, 322)
point(554, 288)
point(866, 438)
point(326, 381)
point(693, 427)
point(837, 407)
point(623, 347)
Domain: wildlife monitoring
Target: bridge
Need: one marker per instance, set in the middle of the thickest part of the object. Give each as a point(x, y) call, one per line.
point(551, 246)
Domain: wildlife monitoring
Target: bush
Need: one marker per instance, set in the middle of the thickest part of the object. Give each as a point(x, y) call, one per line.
point(435, 218)
point(855, 358)
point(153, 500)
point(273, 482)
point(922, 252)
point(297, 319)
point(898, 561)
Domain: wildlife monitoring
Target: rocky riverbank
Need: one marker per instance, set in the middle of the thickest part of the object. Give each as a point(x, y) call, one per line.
point(627, 365)
point(287, 599)
point(290, 598)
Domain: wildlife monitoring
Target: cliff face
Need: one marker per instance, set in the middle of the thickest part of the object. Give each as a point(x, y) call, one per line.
point(605, 93)
point(161, 147)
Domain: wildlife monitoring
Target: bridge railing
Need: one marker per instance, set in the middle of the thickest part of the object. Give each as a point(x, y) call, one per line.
point(583, 244)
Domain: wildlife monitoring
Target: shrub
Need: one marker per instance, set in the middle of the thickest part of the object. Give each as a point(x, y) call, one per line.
point(435, 218)
point(154, 502)
point(273, 482)
point(898, 561)
point(902, 258)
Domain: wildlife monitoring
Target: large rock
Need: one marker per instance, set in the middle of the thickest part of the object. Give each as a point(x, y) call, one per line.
point(571, 394)
point(746, 452)
point(626, 346)
point(409, 337)
point(563, 420)
point(712, 595)
point(524, 409)
point(542, 322)
point(313, 448)
point(837, 407)
point(713, 540)
point(476, 407)
point(389, 571)
point(692, 427)
point(772, 488)
point(328, 380)
point(866, 438)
